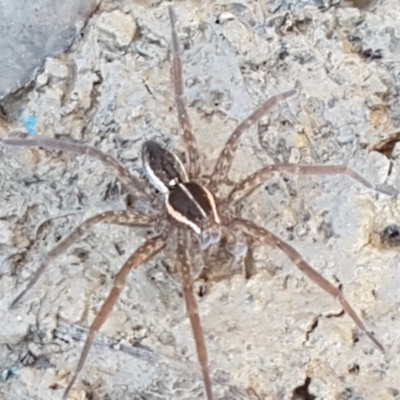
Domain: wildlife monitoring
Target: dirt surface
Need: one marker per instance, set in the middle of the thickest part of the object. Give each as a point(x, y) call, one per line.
point(275, 335)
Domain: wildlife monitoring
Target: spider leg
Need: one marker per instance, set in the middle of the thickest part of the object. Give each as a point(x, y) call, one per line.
point(133, 184)
point(192, 310)
point(248, 185)
point(268, 237)
point(129, 218)
point(148, 250)
point(196, 256)
point(248, 262)
point(183, 116)
point(225, 158)
point(239, 246)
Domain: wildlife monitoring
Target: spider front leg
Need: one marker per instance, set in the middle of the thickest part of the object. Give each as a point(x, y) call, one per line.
point(183, 116)
point(129, 218)
point(248, 185)
point(132, 184)
point(140, 256)
point(264, 235)
point(225, 158)
point(192, 309)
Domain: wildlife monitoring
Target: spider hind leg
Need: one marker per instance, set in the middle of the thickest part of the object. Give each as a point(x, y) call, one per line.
point(183, 116)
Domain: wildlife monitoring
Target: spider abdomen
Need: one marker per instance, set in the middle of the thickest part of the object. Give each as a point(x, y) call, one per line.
point(163, 168)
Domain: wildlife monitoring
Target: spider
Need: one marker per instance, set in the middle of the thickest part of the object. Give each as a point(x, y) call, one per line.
point(192, 213)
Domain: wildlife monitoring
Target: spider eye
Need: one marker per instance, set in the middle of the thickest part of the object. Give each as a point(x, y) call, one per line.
point(209, 237)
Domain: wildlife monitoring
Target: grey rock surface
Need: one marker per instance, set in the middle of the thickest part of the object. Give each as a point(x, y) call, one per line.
point(275, 335)
point(34, 30)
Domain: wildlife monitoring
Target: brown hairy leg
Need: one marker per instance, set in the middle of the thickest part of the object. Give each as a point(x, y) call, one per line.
point(129, 218)
point(183, 117)
point(252, 182)
point(132, 184)
point(192, 309)
point(140, 256)
point(225, 158)
point(264, 235)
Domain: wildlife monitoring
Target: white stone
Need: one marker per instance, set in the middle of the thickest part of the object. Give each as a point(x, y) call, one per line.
point(116, 29)
point(5, 233)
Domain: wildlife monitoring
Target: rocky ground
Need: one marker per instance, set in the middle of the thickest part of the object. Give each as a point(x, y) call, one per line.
point(275, 335)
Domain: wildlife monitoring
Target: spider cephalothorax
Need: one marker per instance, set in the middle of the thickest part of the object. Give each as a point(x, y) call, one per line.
point(189, 208)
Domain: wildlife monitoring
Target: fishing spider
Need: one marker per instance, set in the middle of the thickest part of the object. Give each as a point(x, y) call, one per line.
point(192, 213)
